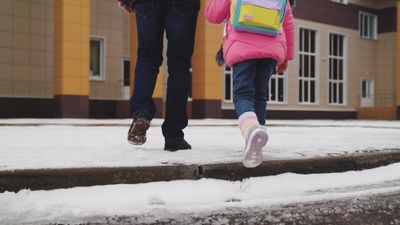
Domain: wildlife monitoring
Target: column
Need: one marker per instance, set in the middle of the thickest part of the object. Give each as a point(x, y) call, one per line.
point(71, 58)
point(207, 76)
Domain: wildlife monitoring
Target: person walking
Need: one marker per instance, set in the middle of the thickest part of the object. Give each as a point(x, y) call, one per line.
point(177, 18)
point(254, 56)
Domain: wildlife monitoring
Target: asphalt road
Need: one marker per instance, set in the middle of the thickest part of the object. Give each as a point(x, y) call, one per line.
point(378, 209)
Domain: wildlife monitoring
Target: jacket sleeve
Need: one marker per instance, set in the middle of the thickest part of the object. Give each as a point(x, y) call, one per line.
point(217, 11)
point(288, 26)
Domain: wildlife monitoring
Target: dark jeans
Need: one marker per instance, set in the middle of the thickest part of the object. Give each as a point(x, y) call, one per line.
point(178, 19)
point(250, 86)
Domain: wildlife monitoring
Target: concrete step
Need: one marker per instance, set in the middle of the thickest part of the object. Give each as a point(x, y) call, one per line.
point(47, 179)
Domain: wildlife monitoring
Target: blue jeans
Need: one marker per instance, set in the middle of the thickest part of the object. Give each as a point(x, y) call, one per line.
point(250, 86)
point(178, 18)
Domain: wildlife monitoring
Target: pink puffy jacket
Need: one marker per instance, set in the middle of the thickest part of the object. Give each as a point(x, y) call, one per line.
point(242, 46)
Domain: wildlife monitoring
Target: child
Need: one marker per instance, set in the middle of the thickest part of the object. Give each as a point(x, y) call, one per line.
point(254, 58)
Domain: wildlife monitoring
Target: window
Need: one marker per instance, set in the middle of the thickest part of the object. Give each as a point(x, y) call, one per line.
point(228, 84)
point(368, 25)
point(337, 85)
point(367, 93)
point(97, 59)
point(308, 66)
point(340, 1)
point(277, 88)
point(190, 94)
point(127, 72)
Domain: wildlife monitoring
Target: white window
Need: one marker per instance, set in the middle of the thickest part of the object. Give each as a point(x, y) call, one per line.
point(337, 84)
point(277, 89)
point(368, 25)
point(97, 59)
point(190, 94)
point(340, 1)
point(228, 84)
point(308, 73)
point(126, 78)
point(367, 93)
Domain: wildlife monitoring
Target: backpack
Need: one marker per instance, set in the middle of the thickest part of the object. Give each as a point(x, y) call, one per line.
point(263, 17)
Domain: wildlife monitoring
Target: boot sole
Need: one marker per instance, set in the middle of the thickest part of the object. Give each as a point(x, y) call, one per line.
point(139, 130)
point(253, 156)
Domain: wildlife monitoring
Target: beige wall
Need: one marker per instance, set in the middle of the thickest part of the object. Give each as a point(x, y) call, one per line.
point(26, 48)
point(126, 36)
point(385, 80)
point(110, 23)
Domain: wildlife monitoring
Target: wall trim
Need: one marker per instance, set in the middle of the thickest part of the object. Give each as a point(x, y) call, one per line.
point(326, 12)
point(206, 109)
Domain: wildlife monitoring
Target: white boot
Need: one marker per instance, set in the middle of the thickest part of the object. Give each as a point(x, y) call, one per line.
point(256, 139)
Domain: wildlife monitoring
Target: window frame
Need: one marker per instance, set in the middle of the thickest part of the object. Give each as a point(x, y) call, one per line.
point(125, 59)
point(224, 74)
point(369, 100)
point(190, 94)
point(317, 68)
point(102, 75)
point(343, 2)
point(345, 75)
point(370, 36)
point(285, 89)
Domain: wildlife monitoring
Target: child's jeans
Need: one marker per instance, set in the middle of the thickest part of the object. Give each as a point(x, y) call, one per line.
point(250, 86)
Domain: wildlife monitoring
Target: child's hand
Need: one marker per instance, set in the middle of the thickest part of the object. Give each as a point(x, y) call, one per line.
point(283, 67)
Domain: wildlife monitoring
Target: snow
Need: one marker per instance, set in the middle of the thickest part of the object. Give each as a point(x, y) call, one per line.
point(30, 207)
point(71, 143)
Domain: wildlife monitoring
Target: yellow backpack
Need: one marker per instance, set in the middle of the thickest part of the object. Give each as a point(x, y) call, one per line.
point(258, 16)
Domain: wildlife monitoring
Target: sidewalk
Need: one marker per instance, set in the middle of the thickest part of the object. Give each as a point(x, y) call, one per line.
point(48, 154)
point(355, 197)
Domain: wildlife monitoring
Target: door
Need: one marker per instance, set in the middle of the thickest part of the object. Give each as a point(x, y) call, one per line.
point(367, 93)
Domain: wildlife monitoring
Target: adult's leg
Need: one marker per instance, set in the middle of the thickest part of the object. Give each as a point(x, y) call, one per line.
point(180, 26)
point(150, 29)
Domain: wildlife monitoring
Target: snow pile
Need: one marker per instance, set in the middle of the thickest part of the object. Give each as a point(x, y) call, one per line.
point(192, 196)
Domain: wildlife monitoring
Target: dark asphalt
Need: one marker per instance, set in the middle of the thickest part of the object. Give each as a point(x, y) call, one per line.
point(382, 209)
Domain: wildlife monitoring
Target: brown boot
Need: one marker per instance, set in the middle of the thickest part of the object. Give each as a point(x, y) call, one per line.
point(137, 131)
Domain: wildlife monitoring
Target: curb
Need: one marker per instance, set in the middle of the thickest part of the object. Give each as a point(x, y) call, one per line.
point(47, 179)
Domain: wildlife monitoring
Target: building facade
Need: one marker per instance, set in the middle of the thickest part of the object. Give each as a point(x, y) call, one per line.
point(73, 58)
